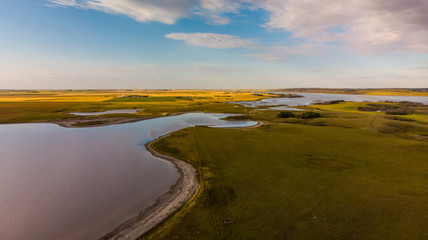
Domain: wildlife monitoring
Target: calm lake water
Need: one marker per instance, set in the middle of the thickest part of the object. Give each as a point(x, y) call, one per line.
point(310, 98)
point(80, 183)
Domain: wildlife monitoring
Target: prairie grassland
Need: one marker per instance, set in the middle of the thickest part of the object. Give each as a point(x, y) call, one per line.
point(419, 113)
point(350, 174)
point(347, 175)
point(44, 105)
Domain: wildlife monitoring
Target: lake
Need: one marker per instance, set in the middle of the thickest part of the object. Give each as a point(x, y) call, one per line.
point(80, 183)
point(310, 98)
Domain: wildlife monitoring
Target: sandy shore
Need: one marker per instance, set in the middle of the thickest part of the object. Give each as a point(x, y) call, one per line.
point(259, 124)
point(165, 205)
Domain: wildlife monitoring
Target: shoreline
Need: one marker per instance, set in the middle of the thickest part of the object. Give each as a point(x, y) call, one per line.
point(103, 121)
point(178, 194)
point(168, 203)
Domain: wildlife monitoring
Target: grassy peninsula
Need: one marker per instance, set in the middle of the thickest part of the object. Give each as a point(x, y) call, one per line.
point(349, 174)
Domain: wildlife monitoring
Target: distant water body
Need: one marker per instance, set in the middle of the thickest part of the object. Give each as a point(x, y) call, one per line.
point(80, 183)
point(310, 98)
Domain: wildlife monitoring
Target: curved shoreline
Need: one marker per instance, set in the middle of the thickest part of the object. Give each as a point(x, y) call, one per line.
point(178, 194)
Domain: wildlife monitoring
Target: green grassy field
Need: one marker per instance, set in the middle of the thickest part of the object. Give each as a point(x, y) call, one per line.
point(353, 173)
point(346, 175)
point(39, 106)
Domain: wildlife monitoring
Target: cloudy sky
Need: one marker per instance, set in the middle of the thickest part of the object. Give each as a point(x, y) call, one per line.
point(213, 43)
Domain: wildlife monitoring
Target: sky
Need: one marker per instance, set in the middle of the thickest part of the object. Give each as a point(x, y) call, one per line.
point(195, 44)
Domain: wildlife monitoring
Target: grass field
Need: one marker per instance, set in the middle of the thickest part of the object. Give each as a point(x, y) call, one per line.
point(353, 173)
point(419, 113)
point(38, 106)
point(346, 175)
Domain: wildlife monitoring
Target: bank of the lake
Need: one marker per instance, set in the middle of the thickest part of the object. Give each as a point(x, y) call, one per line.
point(178, 194)
point(181, 191)
point(352, 175)
point(101, 174)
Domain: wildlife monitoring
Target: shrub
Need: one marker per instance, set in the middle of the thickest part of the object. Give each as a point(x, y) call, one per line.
point(237, 117)
point(308, 115)
point(411, 104)
point(290, 95)
point(286, 114)
point(378, 107)
point(368, 109)
point(401, 119)
point(330, 102)
point(336, 101)
point(399, 111)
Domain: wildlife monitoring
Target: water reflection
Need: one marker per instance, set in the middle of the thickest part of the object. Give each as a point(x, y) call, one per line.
point(310, 98)
point(80, 183)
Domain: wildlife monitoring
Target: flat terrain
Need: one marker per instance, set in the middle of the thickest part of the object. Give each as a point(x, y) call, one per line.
point(369, 91)
point(359, 171)
point(43, 105)
point(347, 175)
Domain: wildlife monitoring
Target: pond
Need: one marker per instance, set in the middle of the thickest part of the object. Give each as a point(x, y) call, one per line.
point(80, 183)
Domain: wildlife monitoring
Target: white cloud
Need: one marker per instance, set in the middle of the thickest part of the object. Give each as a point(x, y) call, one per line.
point(65, 3)
point(363, 26)
point(214, 9)
point(266, 53)
point(211, 40)
point(164, 11)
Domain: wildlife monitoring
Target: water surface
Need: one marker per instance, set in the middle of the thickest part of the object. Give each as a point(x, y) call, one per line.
point(80, 183)
point(310, 98)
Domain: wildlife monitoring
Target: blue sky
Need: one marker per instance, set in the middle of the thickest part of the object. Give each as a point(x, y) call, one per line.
point(213, 43)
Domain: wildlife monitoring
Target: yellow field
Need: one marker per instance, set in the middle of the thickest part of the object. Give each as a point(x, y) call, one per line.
point(44, 105)
point(395, 92)
point(419, 115)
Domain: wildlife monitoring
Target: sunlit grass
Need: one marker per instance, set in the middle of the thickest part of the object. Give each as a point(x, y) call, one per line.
point(44, 105)
point(357, 174)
